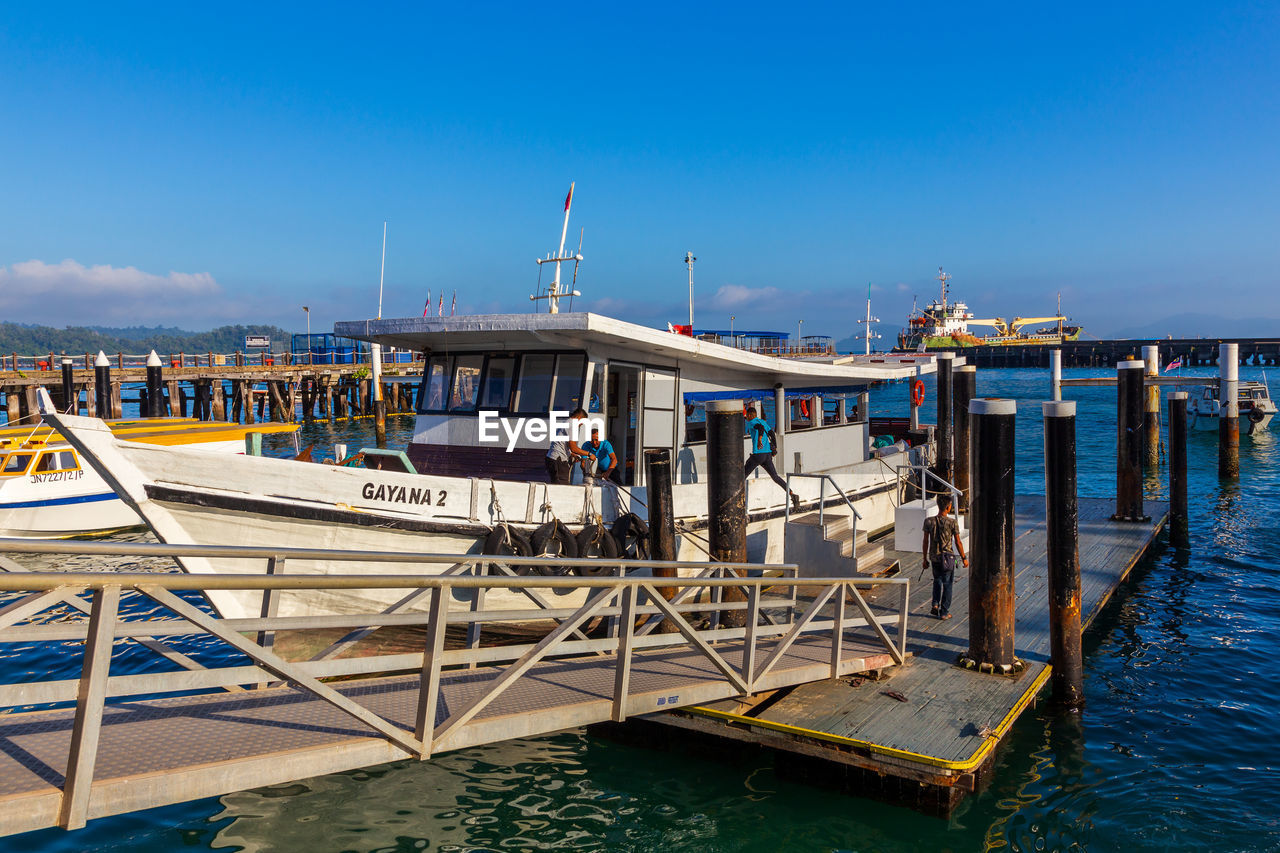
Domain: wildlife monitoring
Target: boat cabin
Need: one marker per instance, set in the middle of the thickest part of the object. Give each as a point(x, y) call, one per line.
point(648, 385)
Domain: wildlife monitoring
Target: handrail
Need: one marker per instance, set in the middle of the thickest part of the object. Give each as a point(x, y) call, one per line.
point(633, 604)
point(822, 499)
point(924, 490)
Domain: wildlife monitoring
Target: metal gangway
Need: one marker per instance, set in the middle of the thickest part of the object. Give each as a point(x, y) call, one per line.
point(615, 643)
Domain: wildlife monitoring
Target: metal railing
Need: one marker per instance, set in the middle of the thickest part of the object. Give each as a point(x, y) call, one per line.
point(925, 474)
point(634, 604)
point(823, 479)
point(240, 358)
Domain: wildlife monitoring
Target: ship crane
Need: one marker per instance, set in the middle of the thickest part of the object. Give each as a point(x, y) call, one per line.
point(1019, 322)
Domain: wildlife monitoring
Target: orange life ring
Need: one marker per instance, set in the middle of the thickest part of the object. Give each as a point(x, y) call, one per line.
point(804, 408)
point(917, 392)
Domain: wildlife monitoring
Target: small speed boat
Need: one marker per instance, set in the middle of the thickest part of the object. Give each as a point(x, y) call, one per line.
point(1256, 408)
point(45, 491)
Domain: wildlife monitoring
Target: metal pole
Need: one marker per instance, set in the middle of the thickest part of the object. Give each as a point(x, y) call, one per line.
point(944, 467)
point(965, 380)
point(991, 565)
point(155, 386)
point(1178, 517)
point(102, 385)
point(915, 410)
point(1055, 373)
point(1129, 441)
point(779, 424)
point(662, 523)
point(1062, 528)
point(1229, 411)
point(70, 400)
point(727, 494)
point(1151, 407)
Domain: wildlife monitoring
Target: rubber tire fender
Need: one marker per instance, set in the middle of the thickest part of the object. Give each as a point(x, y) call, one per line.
point(505, 541)
point(598, 538)
point(1256, 415)
point(554, 535)
point(632, 536)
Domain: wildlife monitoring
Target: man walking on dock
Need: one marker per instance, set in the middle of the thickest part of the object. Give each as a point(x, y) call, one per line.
point(939, 532)
point(762, 451)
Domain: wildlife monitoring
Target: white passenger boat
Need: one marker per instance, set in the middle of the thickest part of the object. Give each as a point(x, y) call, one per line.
point(1256, 408)
point(46, 492)
point(450, 490)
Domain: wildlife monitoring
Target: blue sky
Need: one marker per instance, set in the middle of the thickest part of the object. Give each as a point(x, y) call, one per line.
point(196, 165)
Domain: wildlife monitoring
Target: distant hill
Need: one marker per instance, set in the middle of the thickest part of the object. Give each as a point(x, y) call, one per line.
point(1199, 326)
point(34, 340)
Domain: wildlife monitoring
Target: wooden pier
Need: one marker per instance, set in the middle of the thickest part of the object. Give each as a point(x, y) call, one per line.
point(1194, 352)
point(938, 745)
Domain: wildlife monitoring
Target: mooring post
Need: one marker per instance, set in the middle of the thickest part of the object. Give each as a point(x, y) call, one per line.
point(1179, 533)
point(1129, 441)
point(155, 387)
point(1063, 535)
point(727, 495)
point(70, 399)
point(379, 404)
point(991, 537)
point(1151, 405)
point(1055, 374)
point(944, 467)
point(1228, 411)
point(965, 381)
point(102, 385)
point(662, 522)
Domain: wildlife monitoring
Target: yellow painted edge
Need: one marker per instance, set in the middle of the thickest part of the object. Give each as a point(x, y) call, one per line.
point(970, 763)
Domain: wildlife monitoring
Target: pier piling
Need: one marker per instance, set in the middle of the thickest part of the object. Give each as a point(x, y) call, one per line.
point(1179, 533)
point(1129, 441)
point(102, 386)
point(1228, 411)
point(155, 387)
point(1063, 552)
point(1055, 374)
point(991, 564)
point(662, 522)
point(727, 494)
point(944, 467)
point(965, 382)
point(1151, 407)
point(70, 397)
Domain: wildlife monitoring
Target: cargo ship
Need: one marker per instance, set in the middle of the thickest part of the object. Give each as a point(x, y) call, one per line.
point(945, 325)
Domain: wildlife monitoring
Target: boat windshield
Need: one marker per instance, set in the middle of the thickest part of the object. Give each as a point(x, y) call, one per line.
point(14, 464)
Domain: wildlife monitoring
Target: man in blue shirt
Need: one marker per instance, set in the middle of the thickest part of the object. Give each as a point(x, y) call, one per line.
point(762, 452)
point(602, 452)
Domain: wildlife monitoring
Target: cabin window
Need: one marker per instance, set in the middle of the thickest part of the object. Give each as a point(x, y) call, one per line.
point(435, 383)
point(570, 372)
point(466, 383)
point(54, 460)
point(16, 463)
point(533, 392)
point(497, 383)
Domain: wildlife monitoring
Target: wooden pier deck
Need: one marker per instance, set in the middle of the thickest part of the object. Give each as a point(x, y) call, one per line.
point(939, 744)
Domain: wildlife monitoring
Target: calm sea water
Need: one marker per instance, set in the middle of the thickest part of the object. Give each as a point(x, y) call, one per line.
point(1179, 747)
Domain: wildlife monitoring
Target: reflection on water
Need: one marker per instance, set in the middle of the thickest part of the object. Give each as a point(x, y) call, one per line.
point(1174, 750)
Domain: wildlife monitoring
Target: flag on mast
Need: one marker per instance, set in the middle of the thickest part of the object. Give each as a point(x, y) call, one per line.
point(1173, 365)
point(453, 306)
point(440, 308)
point(568, 200)
point(426, 306)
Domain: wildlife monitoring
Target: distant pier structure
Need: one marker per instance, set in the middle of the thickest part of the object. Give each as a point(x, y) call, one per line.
point(1194, 352)
point(238, 387)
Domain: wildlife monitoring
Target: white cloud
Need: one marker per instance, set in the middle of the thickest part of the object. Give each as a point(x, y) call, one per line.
point(739, 296)
point(70, 293)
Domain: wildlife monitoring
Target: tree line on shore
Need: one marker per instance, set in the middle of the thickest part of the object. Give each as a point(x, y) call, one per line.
point(77, 340)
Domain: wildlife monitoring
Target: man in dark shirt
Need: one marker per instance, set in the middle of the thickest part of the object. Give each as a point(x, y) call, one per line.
point(939, 532)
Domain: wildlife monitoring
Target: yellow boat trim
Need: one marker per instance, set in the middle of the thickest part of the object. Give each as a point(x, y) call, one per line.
point(980, 755)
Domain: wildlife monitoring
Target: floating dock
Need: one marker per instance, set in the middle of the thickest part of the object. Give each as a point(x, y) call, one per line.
point(938, 745)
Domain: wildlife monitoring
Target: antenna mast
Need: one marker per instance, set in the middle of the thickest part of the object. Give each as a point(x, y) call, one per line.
point(944, 278)
point(382, 273)
point(553, 292)
point(688, 260)
point(867, 333)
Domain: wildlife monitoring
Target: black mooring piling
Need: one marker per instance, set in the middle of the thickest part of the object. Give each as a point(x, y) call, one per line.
point(1179, 533)
point(102, 386)
point(155, 386)
point(70, 399)
point(991, 564)
point(1151, 406)
point(1063, 552)
point(964, 380)
point(944, 467)
point(727, 493)
point(1129, 441)
point(662, 521)
point(1228, 411)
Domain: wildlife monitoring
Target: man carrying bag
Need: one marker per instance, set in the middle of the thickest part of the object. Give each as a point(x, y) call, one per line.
point(939, 532)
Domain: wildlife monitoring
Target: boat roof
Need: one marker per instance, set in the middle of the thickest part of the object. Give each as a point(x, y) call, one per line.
point(585, 330)
point(168, 431)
